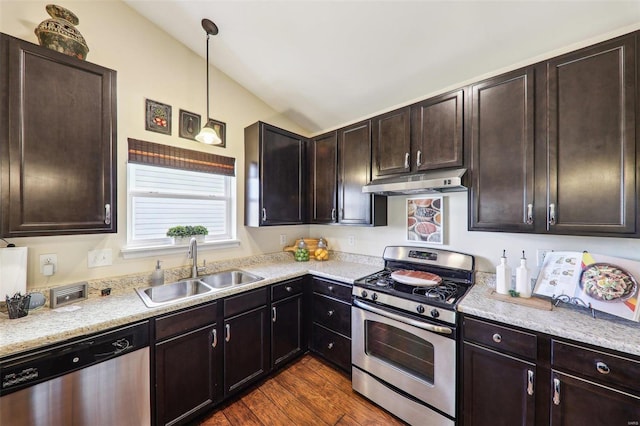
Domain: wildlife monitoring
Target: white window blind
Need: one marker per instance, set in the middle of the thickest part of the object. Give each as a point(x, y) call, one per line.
point(162, 197)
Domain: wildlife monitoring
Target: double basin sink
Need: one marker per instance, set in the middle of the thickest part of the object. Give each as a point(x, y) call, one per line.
point(192, 287)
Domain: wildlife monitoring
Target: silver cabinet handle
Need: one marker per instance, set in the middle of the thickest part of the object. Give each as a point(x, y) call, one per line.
point(407, 156)
point(602, 368)
point(107, 214)
point(552, 214)
point(264, 214)
point(330, 345)
point(333, 214)
point(289, 289)
point(529, 214)
point(556, 391)
point(530, 378)
point(419, 158)
point(273, 314)
point(497, 338)
point(330, 288)
point(330, 312)
point(227, 332)
point(214, 335)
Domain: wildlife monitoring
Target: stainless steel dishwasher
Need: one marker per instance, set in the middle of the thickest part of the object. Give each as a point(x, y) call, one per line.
point(98, 380)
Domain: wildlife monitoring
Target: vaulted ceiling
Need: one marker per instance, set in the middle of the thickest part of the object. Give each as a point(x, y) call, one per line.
point(327, 63)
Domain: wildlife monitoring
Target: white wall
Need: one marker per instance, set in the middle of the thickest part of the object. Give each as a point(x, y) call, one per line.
point(150, 64)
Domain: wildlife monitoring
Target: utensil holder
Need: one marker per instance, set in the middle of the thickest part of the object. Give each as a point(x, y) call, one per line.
point(18, 306)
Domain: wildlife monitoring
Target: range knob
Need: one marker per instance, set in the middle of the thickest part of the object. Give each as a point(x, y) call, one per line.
point(420, 309)
point(374, 296)
point(364, 294)
point(435, 313)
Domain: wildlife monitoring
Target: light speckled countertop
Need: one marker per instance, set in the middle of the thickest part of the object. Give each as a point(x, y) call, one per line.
point(563, 321)
point(46, 326)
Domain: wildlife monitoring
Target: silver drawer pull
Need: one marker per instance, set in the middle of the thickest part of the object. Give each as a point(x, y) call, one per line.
point(602, 368)
point(330, 345)
point(289, 289)
point(556, 391)
point(331, 312)
point(497, 338)
point(330, 288)
point(214, 342)
point(530, 379)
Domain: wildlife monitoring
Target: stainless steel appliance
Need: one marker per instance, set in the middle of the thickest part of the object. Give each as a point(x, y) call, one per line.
point(404, 334)
point(98, 380)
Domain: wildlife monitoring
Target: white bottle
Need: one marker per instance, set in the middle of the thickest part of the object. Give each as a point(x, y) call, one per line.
point(503, 275)
point(523, 280)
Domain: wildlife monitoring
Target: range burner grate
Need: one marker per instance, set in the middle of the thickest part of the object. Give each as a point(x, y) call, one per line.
point(442, 292)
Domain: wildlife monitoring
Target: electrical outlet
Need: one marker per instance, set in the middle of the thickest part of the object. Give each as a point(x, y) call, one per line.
point(283, 240)
point(48, 259)
point(352, 240)
point(540, 255)
point(100, 257)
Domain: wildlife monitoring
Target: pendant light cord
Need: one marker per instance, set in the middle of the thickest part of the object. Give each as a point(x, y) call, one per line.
point(207, 64)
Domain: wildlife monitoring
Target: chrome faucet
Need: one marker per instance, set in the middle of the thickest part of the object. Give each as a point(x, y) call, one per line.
point(193, 254)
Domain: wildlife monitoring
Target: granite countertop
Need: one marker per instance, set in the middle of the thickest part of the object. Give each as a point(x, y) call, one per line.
point(47, 326)
point(568, 322)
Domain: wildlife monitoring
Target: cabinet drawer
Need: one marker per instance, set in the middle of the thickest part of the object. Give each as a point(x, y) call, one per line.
point(332, 313)
point(332, 346)
point(286, 289)
point(602, 367)
point(183, 321)
point(330, 288)
point(502, 339)
point(245, 302)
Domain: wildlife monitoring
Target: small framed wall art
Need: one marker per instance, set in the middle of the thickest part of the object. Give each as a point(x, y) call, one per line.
point(157, 117)
point(221, 129)
point(425, 219)
point(189, 125)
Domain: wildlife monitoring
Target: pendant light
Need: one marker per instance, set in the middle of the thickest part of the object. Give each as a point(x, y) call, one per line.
point(208, 134)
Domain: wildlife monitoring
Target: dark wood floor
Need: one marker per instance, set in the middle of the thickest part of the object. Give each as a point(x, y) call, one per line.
point(308, 392)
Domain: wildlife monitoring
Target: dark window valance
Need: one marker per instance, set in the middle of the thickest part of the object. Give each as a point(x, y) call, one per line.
point(155, 154)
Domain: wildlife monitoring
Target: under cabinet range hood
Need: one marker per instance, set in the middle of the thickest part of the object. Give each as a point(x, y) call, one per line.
point(424, 183)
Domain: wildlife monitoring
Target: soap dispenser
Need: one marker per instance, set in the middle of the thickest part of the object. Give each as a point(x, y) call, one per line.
point(503, 275)
point(157, 276)
point(523, 280)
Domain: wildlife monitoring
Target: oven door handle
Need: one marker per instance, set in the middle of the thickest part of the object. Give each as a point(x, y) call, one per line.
point(409, 321)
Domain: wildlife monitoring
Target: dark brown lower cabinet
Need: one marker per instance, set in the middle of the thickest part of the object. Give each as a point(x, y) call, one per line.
point(185, 364)
point(287, 325)
point(496, 389)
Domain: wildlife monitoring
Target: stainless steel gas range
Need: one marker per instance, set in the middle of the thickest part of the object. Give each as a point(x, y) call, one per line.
point(405, 333)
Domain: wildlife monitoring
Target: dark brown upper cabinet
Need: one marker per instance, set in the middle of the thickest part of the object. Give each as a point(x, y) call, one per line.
point(274, 178)
point(354, 171)
point(425, 136)
point(57, 143)
point(590, 150)
point(323, 174)
point(501, 196)
point(436, 132)
point(554, 146)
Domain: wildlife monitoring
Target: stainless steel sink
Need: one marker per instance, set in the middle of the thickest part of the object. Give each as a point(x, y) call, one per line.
point(231, 278)
point(174, 292)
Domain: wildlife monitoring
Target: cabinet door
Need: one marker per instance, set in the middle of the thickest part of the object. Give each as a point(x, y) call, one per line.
point(501, 197)
point(323, 153)
point(579, 402)
point(498, 390)
point(354, 171)
point(185, 374)
point(591, 152)
point(59, 162)
point(436, 132)
point(391, 143)
point(246, 348)
point(286, 329)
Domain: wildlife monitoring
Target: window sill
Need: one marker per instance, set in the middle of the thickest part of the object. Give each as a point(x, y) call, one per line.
point(133, 252)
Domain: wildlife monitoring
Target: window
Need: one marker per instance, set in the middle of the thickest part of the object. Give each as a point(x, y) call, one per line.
point(162, 193)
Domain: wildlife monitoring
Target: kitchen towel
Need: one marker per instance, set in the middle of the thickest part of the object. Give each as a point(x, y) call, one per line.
point(13, 271)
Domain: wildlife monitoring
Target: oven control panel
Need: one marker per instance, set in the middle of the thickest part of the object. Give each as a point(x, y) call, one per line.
point(423, 255)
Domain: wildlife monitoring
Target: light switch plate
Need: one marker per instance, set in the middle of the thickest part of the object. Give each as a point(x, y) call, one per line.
point(100, 257)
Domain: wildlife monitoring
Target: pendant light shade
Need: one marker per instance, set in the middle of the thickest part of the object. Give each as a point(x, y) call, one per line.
point(208, 134)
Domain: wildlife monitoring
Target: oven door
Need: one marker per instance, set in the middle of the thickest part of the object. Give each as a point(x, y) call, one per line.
point(417, 357)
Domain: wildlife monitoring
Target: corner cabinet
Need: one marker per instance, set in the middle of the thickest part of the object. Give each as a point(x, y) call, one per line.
point(354, 171)
point(274, 179)
point(554, 145)
point(57, 143)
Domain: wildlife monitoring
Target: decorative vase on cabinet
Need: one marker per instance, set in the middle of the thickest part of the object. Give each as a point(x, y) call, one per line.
point(60, 34)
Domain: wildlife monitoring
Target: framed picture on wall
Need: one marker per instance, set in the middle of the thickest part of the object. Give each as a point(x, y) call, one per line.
point(157, 117)
point(425, 219)
point(189, 125)
point(221, 130)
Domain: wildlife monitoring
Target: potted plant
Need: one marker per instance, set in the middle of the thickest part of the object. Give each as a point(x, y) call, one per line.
point(182, 234)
